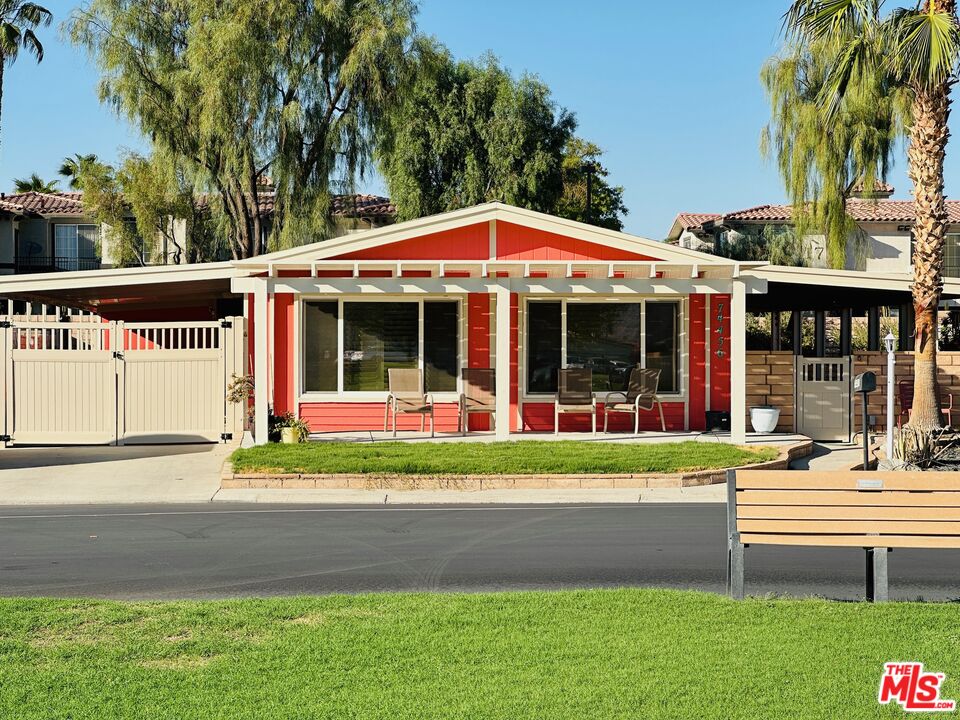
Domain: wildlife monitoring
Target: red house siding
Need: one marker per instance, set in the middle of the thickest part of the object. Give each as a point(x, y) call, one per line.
point(515, 242)
point(283, 334)
point(478, 343)
point(515, 424)
point(698, 362)
point(467, 243)
point(346, 416)
point(538, 416)
point(719, 352)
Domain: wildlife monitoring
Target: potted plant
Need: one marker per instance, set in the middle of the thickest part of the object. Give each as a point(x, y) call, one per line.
point(289, 429)
point(764, 418)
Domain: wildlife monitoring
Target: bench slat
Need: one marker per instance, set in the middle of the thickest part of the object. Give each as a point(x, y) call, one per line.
point(836, 527)
point(847, 497)
point(808, 480)
point(794, 512)
point(892, 541)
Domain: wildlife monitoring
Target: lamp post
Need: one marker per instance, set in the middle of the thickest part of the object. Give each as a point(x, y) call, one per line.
point(889, 342)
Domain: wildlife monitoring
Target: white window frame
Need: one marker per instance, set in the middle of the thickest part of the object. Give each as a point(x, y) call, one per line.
point(304, 396)
point(682, 340)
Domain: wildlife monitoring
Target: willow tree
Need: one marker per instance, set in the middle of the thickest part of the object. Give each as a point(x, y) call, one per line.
point(821, 161)
point(583, 175)
point(906, 59)
point(237, 90)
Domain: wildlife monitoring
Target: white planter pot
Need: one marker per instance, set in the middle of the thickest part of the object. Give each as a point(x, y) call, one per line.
point(764, 419)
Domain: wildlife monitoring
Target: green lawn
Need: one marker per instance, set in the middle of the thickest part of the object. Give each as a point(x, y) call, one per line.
point(509, 458)
point(586, 654)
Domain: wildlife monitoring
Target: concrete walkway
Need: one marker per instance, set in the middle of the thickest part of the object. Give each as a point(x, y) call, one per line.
point(110, 475)
point(830, 456)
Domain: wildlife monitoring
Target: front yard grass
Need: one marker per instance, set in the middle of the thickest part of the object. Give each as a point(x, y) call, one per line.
point(578, 654)
point(527, 457)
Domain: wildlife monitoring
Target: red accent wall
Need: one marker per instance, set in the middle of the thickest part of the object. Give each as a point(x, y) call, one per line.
point(466, 243)
point(478, 344)
point(515, 242)
point(719, 352)
point(698, 362)
point(283, 331)
point(539, 417)
point(347, 416)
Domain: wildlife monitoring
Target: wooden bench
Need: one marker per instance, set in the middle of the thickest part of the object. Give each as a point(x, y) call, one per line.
point(877, 511)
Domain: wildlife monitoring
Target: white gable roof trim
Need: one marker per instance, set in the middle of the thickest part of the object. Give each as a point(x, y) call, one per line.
point(413, 229)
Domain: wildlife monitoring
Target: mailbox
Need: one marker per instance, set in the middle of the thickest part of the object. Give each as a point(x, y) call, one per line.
point(865, 382)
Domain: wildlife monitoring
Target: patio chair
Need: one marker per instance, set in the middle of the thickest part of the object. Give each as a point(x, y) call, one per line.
point(477, 396)
point(905, 398)
point(575, 396)
point(406, 396)
point(641, 394)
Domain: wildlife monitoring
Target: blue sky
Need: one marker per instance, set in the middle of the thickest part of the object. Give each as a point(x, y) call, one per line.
point(670, 91)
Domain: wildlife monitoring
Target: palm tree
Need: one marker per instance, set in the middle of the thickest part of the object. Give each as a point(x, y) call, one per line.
point(17, 22)
point(73, 167)
point(914, 51)
point(35, 183)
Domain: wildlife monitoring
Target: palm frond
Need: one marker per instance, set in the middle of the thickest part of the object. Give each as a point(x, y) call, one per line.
point(926, 45)
point(32, 43)
point(10, 37)
point(817, 19)
point(32, 15)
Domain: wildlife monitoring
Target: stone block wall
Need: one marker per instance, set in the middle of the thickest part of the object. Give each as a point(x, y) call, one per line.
point(770, 381)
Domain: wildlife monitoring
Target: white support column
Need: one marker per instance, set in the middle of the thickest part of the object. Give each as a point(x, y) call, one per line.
point(503, 363)
point(261, 392)
point(738, 363)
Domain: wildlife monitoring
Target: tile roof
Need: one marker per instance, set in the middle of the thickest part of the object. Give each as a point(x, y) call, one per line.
point(71, 203)
point(689, 220)
point(899, 211)
point(42, 203)
point(352, 206)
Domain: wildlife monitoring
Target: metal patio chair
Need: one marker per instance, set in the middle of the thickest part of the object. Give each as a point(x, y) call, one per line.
point(478, 395)
point(641, 394)
point(575, 396)
point(406, 396)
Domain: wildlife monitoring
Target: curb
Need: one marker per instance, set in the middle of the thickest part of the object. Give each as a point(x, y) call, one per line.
point(476, 483)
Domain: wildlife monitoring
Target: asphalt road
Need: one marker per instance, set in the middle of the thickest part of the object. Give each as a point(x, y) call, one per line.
point(204, 551)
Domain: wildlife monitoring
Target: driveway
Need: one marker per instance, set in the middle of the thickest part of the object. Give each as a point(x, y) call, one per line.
point(108, 475)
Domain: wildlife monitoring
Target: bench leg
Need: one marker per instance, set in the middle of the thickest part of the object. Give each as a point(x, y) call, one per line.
point(735, 568)
point(877, 574)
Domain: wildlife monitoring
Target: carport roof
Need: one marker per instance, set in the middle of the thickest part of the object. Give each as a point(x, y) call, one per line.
point(133, 288)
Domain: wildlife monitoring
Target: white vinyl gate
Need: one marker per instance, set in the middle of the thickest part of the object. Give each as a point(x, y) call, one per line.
point(823, 398)
point(70, 383)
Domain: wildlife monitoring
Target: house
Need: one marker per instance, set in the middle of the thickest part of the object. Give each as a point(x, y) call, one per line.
point(48, 232)
point(495, 286)
point(884, 245)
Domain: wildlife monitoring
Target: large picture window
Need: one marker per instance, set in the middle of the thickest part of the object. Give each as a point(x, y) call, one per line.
point(353, 345)
point(608, 338)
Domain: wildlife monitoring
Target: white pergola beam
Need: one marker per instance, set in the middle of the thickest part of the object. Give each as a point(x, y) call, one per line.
point(531, 286)
point(738, 363)
point(261, 390)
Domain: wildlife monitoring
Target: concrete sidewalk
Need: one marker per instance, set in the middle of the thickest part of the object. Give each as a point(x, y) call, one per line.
point(111, 475)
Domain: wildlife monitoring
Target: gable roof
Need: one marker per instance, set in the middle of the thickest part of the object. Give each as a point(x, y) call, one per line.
point(486, 212)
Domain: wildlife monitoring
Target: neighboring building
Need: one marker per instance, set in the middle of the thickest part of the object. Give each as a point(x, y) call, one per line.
point(48, 232)
point(887, 225)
